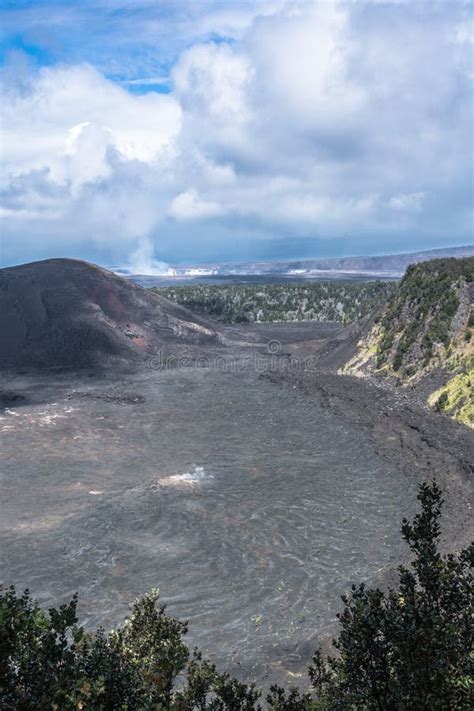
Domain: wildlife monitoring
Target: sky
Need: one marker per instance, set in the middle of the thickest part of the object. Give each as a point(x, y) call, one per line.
point(155, 132)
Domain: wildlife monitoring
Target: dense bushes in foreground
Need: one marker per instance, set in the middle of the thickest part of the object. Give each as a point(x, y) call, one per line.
point(408, 649)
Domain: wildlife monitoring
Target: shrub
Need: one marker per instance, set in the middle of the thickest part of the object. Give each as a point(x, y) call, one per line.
point(410, 648)
point(442, 401)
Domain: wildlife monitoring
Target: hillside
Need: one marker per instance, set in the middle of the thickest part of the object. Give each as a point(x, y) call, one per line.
point(70, 314)
point(395, 264)
point(425, 336)
point(340, 301)
point(385, 266)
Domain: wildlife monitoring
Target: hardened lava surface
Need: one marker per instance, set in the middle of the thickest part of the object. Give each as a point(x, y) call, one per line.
point(252, 500)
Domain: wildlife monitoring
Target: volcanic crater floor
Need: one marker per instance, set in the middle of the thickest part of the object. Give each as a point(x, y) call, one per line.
point(251, 499)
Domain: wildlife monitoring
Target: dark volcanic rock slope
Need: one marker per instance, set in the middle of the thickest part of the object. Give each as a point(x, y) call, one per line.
point(68, 313)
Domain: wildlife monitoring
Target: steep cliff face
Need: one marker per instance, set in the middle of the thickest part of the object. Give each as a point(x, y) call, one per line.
point(427, 330)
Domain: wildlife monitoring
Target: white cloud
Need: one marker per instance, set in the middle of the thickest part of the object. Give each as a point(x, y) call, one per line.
point(304, 118)
point(233, 21)
point(189, 206)
point(69, 104)
point(214, 78)
point(302, 58)
point(312, 209)
point(464, 32)
point(147, 81)
point(212, 83)
point(407, 202)
point(84, 158)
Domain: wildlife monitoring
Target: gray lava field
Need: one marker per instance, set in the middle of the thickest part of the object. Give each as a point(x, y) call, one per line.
point(250, 492)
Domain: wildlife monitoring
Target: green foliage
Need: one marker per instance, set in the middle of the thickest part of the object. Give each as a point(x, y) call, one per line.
point(151, 641)
point(48, 662)
point(442, 401)
point(208, 690)
point(37, 653)
point(409, 649)
point(422, 309)
point(456, 396)
point(320, 301)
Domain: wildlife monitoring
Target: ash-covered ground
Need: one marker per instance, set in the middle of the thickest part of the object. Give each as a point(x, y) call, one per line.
point(251, 485)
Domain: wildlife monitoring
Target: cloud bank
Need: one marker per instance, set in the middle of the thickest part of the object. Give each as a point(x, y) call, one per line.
point(282, 121)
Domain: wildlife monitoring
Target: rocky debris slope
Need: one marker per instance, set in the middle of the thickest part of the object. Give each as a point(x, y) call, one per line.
point(424, 337)
point(63, 313)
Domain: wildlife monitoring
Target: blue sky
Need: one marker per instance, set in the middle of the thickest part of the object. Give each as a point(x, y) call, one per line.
point(145, 131)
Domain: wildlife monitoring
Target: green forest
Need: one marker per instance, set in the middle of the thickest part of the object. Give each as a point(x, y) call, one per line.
point(320, 301)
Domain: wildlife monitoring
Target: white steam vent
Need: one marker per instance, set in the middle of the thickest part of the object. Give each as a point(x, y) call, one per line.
point(188, 479)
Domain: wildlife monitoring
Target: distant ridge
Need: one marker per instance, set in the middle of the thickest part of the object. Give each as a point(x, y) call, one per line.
point(65, 313)
point(396, 263)
point(392, 266)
